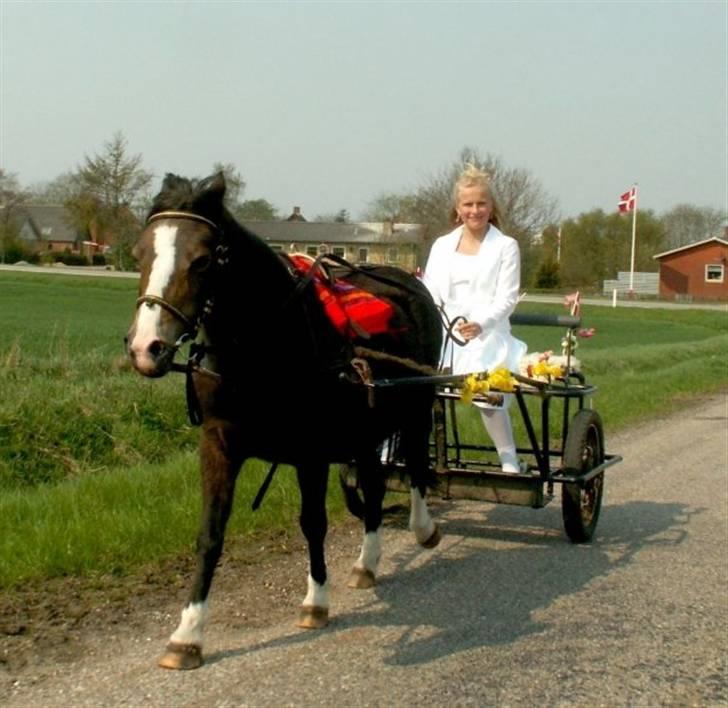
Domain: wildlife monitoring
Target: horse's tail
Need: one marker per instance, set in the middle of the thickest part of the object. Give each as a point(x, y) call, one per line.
point(349, 486)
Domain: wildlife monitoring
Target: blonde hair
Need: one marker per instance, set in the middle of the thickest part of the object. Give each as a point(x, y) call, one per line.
point(473, 176)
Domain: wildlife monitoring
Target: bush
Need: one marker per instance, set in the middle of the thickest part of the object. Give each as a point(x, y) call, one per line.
point(547, 276)
point(72, 259)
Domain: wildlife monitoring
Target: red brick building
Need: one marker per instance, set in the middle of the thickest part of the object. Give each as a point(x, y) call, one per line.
point(696, 271)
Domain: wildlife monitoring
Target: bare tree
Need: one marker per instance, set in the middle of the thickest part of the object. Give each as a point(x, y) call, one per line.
point(234, 184)
point(686, 224)
point(525, 206)
point(111, 194)
point(12, 198)
point(56, 191)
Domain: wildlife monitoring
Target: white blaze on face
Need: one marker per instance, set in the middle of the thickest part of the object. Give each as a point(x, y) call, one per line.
point(148, 318)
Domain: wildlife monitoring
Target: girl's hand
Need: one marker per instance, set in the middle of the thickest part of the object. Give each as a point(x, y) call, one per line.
point(469, 330)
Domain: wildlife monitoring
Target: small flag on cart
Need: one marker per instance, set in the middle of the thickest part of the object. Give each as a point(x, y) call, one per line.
point(627, 201)
point(573, 302)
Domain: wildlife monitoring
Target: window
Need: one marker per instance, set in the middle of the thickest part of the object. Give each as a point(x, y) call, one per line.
point(714, 273)
point(276, 247)
point(392, 255)
point(312, 251)
point(363, 256)
point(339, 251)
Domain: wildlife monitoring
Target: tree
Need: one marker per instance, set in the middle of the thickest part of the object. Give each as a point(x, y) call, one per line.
point(547, 252)
point(256, 210)
point(547, 276)
point(397, 208)
point(234, 185)
point(112, 191)
point(12, 198)
point(525, 207)
point(596, 246)
point(340, 217)
point(686, 224)
point(59, 190)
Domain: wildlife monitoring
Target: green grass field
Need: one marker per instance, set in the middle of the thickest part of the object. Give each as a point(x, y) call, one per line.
point(98, 472)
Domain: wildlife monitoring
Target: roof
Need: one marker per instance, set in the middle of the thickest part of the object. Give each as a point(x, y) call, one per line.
point(49, 222)
point(715, 239)
point(313, 232)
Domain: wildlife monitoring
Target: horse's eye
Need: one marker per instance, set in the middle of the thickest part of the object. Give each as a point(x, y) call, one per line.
point(201, 264)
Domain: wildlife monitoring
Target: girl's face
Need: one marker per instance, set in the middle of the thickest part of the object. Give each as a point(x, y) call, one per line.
point(473, 207)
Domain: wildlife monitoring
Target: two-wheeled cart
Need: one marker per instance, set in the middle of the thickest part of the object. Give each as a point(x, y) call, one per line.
point(566, 449)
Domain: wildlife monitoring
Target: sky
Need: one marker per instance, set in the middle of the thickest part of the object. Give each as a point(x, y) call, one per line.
point(327, 105)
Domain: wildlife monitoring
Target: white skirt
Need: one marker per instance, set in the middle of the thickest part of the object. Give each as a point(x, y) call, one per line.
point(485, 353)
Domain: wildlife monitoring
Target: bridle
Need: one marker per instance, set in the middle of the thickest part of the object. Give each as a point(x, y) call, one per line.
point(191, 327)
point(221, 253)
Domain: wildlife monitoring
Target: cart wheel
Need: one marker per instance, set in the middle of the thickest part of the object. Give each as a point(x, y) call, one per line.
point(349, 481)
point(583, 450)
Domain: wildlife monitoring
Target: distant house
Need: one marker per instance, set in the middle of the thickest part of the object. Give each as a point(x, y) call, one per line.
point(696, 271)
point(370, 242)
point(46, 228)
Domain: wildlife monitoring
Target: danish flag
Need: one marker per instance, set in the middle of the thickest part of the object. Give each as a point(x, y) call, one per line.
point(628, 201)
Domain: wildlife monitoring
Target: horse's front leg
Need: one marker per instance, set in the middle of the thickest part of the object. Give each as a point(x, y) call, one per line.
point(312, 481)
point(219, 468)
point(371, 481)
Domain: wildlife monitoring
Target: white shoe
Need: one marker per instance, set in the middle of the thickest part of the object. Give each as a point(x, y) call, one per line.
point(522, 468)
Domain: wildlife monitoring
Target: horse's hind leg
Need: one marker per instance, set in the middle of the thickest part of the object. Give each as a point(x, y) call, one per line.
point(371, 480)
point(219, 471)
point(415, 448)
point(312, 481)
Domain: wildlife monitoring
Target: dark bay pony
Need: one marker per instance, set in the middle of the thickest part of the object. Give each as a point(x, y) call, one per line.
point(273, 379)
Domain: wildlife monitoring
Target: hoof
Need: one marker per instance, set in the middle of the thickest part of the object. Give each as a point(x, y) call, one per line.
point(361, 579)
point(433, 540)
point(313, 617)
point(181, 656)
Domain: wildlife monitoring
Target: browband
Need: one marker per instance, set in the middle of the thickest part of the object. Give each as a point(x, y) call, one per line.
point(182, 215)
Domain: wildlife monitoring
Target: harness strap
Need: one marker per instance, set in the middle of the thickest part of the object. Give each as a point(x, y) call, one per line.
point(190, 216)
point(264, 487)
point(151, 300)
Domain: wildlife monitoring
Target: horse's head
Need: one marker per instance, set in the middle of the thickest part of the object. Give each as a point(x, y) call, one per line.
point(177, 253)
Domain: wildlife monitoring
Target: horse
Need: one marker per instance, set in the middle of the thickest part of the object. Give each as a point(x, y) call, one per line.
point(270, 377)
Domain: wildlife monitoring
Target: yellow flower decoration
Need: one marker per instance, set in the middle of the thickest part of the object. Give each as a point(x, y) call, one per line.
point(543, 368)
point(500, 379)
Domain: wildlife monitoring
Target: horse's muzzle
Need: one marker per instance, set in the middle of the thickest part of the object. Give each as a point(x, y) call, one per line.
point(152, 359)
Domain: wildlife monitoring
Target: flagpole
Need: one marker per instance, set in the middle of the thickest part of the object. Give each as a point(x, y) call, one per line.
point(634, 234)
point(558, 245)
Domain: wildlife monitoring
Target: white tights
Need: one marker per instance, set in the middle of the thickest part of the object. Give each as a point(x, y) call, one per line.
point(497, 422)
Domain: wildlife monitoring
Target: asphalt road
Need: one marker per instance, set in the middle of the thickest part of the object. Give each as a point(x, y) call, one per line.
point(505, 612)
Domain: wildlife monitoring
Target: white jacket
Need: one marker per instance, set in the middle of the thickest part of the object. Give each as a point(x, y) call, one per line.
point(493, 298)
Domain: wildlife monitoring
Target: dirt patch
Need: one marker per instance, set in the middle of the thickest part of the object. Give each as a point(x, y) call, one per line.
point(259, 581)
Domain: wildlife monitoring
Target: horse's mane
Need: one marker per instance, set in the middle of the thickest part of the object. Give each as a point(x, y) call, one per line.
point(206, 197)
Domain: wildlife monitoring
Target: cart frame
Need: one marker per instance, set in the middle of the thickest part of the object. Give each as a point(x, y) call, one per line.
point(576, 459)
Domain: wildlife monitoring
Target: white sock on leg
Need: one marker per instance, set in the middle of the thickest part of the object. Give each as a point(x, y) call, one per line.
point(497, 422)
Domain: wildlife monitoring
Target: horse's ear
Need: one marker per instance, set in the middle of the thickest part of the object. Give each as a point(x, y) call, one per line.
point(171, 181)
point(213, 187)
